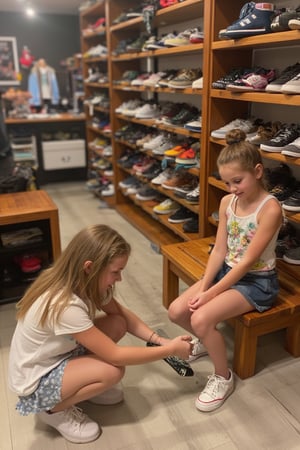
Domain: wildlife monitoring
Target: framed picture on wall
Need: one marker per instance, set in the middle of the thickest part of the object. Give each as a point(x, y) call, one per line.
point(9, 63)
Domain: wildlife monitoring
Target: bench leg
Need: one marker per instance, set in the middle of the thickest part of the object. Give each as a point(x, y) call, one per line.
point(245, 343)
point(170, 283)
point(293, 339)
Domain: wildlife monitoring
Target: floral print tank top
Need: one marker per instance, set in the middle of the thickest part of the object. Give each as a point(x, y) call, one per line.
point(240, 233)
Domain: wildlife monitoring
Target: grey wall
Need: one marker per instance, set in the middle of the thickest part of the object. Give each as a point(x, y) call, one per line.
point(49, 36)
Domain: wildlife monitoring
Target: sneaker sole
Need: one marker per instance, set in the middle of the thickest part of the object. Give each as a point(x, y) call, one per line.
point(290, 89)
point(269, 148)
point(294, 24)
point(179, 221)
point(237, 34)
point(290, 260)
point(170, 211)
point(290, 153)
point(193, 358)
point(291, 208)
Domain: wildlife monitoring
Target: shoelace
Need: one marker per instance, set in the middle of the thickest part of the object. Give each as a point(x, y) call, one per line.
point(212, 387)
point(284, 134)
point(296, 78)
point(76, 415)
point(288, 73)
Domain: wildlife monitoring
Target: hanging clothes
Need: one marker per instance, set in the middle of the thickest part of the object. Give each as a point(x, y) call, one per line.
point(42, 84)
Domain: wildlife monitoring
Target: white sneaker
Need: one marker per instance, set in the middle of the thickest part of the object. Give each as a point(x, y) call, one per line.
point(245, 125)
point(108, 191)
point(72, 424)
point(163, 176)
point(147, 111)
point(214, 394)
point(153, 143)
point(198, 350)
point(110, 397)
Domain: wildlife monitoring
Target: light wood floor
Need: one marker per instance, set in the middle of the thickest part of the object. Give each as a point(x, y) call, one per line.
point(158, 411)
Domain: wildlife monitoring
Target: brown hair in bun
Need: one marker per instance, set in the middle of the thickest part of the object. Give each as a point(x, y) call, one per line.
point(235, 136)
point(239, 150)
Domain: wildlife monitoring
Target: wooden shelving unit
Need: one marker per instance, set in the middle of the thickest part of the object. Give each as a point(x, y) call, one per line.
point(22, 210)
point(216, 58)
point(224, 106)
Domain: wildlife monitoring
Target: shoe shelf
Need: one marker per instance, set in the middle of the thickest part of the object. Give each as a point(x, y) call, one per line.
point(186, 49)
point(151, 60)
point(176, 228)
point(97, 85)
point(189, 9)
point(93, 35)
point(29, 220)
point(155, 231)
point(258, 97)
point(278, 39)
point(151, 123)
point(164, 90)
point(277, 50)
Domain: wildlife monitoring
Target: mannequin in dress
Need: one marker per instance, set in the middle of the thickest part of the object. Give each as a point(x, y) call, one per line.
point(42, 84)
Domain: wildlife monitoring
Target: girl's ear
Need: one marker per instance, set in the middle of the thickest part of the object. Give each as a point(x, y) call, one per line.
point(87, 266)
point(259, 171)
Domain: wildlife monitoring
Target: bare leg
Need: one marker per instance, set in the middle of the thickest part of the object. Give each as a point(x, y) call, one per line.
point(204, 321)
point(87, 376)
point(178, 311)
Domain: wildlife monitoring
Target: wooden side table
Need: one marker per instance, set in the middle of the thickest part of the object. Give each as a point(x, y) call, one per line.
point(23, 210)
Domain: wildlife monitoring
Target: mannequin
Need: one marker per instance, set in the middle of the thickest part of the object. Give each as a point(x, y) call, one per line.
point(42, 84)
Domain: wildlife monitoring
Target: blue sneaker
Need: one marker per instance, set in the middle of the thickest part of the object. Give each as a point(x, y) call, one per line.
point(254, 19)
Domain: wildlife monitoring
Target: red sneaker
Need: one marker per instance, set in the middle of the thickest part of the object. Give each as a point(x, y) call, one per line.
point(29, 263)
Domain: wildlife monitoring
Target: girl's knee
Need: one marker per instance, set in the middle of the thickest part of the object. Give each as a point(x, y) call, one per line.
point(173, 314)
point(199, 324)
point(117, 374)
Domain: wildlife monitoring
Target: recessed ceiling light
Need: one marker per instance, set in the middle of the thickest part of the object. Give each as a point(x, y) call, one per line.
point(30, 12)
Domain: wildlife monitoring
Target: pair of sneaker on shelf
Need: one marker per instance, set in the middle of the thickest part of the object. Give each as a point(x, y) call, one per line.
point(288, 82)
point(96, 51)
point(280, 182)
point(249, 126)
point(245, 79)
point(174, 39)
point(288, 242)
point(286, 19)
point(285, 141)
point(254, 19)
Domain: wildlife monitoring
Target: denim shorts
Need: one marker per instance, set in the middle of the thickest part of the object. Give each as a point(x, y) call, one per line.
point(260, 289)
point(48, 392)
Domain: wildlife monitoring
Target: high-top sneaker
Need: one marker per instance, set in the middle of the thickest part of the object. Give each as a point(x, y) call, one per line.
point(255, 18)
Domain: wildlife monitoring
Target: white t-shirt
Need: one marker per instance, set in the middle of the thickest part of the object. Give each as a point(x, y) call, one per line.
point(36, 350)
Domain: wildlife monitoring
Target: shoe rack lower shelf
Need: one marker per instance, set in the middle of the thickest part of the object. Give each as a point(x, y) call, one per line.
point(156, 232)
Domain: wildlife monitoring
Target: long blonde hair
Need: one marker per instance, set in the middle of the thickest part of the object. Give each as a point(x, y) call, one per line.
point(97, 243)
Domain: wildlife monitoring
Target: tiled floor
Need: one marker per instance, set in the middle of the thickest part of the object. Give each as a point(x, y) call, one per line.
point(158, 412)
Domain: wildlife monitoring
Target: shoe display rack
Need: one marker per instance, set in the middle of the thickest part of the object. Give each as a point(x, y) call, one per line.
point(136, 208)
point(218, 107)
point(277, 50)
point(29, 240)
point(95, 68)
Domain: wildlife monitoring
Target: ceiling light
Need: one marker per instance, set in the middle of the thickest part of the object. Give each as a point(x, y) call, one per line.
point(30, 12)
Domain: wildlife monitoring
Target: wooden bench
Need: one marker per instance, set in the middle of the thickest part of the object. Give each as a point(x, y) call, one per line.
point(186, 261)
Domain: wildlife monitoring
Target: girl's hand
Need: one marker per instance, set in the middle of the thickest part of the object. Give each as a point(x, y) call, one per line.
point(198, 301)
point(182, 346)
